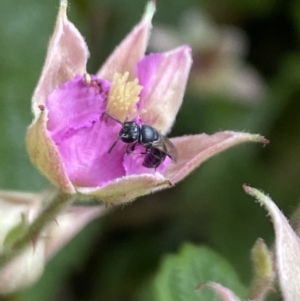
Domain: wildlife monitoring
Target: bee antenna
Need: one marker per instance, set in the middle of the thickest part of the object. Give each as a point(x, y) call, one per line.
point(112, 117)
point(111, 148)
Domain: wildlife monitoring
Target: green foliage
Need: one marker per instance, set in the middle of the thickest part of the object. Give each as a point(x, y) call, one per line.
point(180, 275)
point(23, 38)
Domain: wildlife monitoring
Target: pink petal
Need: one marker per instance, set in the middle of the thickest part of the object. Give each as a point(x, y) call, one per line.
point(83, 137)
point(195, 149)
point(126, 189)
point(86, 157)
point(224, 293)
point(287, 247)
point(164, 78)
point(75, 105)
point(67, 56)
point(131, 49)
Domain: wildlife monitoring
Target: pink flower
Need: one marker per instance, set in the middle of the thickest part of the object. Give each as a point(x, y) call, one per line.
point(70, 137)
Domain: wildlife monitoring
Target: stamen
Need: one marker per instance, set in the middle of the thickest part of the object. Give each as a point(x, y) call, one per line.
point(123, 97)
point(91, 82)
point(88, 78)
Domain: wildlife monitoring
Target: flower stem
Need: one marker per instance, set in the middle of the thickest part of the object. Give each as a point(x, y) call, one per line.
point(58, 204)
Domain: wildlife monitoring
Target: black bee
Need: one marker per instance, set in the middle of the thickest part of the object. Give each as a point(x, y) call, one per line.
point(157, 147)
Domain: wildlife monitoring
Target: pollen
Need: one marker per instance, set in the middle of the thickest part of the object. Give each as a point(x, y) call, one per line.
point(123, 97)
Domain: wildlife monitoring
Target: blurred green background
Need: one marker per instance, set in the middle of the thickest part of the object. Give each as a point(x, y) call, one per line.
point(115, 257)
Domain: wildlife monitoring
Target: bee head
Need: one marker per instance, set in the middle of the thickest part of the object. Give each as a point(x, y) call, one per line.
point(130, 132)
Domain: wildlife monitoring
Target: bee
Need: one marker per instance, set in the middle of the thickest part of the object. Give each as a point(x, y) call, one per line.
point(157, 146)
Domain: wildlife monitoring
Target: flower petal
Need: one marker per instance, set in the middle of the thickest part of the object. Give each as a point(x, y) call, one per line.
point(28, 266)
point(131, 49)
point(195, 149)
point(68, 225)
point(223, 292)
point(15, 197)
point(67, 56)
point(75, 105)
point(81, 134)
point(164, 78)
point(287, 247)
point(126, 189)
point(24, 270)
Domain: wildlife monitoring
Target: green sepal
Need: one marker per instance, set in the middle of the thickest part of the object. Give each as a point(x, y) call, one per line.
point(15, 232)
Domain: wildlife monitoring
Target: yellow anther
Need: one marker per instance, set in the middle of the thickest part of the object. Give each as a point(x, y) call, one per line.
point(123, 97)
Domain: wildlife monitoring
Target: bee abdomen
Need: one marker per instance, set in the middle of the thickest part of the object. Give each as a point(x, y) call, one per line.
point(154, 158)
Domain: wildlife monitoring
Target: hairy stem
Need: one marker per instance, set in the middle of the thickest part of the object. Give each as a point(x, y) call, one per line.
point(57, 205)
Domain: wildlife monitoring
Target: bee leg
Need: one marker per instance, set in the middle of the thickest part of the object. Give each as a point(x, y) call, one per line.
point(113, 145)
point(130, 148)
point(106, 115)
point(147, 151)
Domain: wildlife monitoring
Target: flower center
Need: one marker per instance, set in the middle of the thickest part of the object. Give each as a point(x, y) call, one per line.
point(123, 97)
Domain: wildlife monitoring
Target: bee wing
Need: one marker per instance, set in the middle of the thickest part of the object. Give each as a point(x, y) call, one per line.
point(165, 144)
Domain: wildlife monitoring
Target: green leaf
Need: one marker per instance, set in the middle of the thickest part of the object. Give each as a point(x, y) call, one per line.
point(15, 232)
point(180, 274)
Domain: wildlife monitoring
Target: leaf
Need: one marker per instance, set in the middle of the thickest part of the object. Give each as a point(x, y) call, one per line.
point(180, 274)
